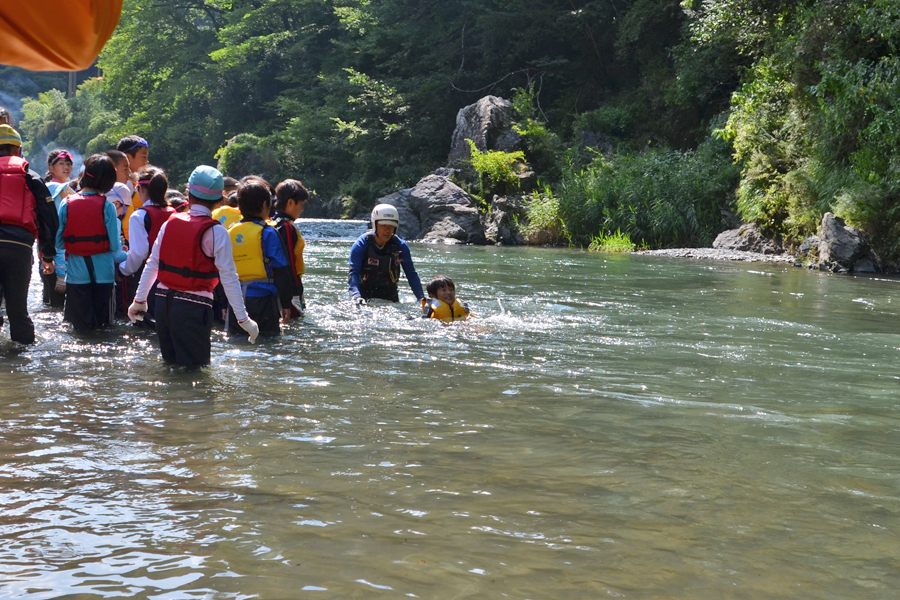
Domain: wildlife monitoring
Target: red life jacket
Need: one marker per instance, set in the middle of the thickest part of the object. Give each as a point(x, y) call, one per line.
point(17, 204)
point(85, 233)
point(155, 217)
point(182, 264)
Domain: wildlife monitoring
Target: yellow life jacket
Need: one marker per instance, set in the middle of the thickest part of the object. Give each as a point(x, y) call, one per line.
point(136, 203)
point(299, 245)
point(246, 245)
point(227, 215)
point(435, 309)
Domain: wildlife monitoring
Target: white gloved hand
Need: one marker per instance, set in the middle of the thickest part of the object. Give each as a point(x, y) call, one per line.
point(60, 286)
point(359, 300)
point(136, 311)
point(251, 328)
point(297, 303)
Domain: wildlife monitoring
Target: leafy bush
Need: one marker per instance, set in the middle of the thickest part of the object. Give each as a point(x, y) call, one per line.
point(544, 224)
point(499, 169)
point(614, 242)
point(659, 197)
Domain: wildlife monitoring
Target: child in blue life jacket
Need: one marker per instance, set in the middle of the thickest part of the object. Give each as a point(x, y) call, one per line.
point(262, 265)
point(442, 302)
point(89, 235)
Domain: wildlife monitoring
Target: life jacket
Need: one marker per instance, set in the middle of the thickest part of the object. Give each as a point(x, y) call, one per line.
point(247, 249)
point(227, 216)
point(295, 254)
point(85, 233)
point(17, 204)
point(136, 203)
point(436, 309)
point(182, 264)
point(154, 218)
point(381, 267)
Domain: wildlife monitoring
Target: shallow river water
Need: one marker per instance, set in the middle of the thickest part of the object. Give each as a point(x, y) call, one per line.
point(608, 426)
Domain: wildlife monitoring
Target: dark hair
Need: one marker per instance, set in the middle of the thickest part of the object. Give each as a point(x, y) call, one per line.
point(99, 173)
point(231, 199)
point(202, 201)
point(7, 149)
point(130, 144)
point(253, 197)
point(5, 117)
point(53, 158)
point(230, 182)
point(287, 190)
point(176, 200)
point(156, 182)
point(117, 156)
point(438, 283)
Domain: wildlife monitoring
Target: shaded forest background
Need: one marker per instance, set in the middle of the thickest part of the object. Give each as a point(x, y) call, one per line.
point(653, 118)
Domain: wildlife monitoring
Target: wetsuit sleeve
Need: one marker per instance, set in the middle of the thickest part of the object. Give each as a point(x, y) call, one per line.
point(45, 209)
point(281, 268)
point(410, 270)
point(357, 255)
point(60, 259)
point(138, 244)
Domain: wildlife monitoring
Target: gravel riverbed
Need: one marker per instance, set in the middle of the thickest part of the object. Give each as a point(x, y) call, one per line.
point(715, 254)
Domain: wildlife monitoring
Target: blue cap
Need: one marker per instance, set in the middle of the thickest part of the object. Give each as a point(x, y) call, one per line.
point(206, 183)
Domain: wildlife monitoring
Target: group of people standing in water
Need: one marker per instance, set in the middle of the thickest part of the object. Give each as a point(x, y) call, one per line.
point(119, 239)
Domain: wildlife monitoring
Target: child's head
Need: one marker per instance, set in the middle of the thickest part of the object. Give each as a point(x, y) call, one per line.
point(231, 185)
point(176, 200)
point(205, 186)
point(442, 288)
point(254, 198)
point(120, 159)
point(99, 173)
point(291, 197)
point(137, 149)
point(59, 165)
point(152, 185)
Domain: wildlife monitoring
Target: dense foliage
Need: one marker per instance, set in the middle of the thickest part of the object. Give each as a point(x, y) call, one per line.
point(643, 118)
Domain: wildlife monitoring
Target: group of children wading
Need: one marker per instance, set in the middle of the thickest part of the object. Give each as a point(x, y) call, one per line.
point(118, 239)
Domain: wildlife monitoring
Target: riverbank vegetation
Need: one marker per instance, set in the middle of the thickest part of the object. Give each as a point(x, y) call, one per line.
point(654, 119)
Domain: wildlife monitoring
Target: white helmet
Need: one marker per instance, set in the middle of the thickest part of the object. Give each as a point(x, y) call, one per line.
point(385, 212)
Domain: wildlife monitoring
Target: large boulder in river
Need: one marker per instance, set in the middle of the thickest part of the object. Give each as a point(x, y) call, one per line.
point(489, 124)
point(445, 211)
point(748, 238)
point(501, 221)
point(437, 210)
point(844, 249)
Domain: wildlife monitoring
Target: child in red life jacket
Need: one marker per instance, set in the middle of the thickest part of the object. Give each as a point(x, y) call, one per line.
point(89, 234)
point(442, 302)
point(191, 253)
point(290, 198)
point(260, 260)
point(27, 213)
point(144, 227)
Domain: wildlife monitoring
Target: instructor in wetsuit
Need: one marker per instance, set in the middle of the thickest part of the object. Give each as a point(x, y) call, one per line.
point(376, 259)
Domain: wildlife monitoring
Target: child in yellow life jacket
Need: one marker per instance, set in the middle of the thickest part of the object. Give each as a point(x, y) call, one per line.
point(138, 154)
point(261, 263)
point(442, 302)
point(290, 198)
point(228, 214)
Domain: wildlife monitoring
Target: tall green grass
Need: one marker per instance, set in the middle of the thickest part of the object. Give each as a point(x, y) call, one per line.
point(658, 197)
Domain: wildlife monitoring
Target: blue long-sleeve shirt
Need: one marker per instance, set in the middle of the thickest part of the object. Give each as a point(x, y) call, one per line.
point(274, 251)
point(75, 267)
point(358, 255)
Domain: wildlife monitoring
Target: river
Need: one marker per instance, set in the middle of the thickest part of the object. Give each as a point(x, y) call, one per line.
point(607, 426)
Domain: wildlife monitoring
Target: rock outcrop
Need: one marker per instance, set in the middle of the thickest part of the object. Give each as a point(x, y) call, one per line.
point(437, 210)
point(501, 221)
point(489, 124)
point(844, 249)
point(747, 238)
